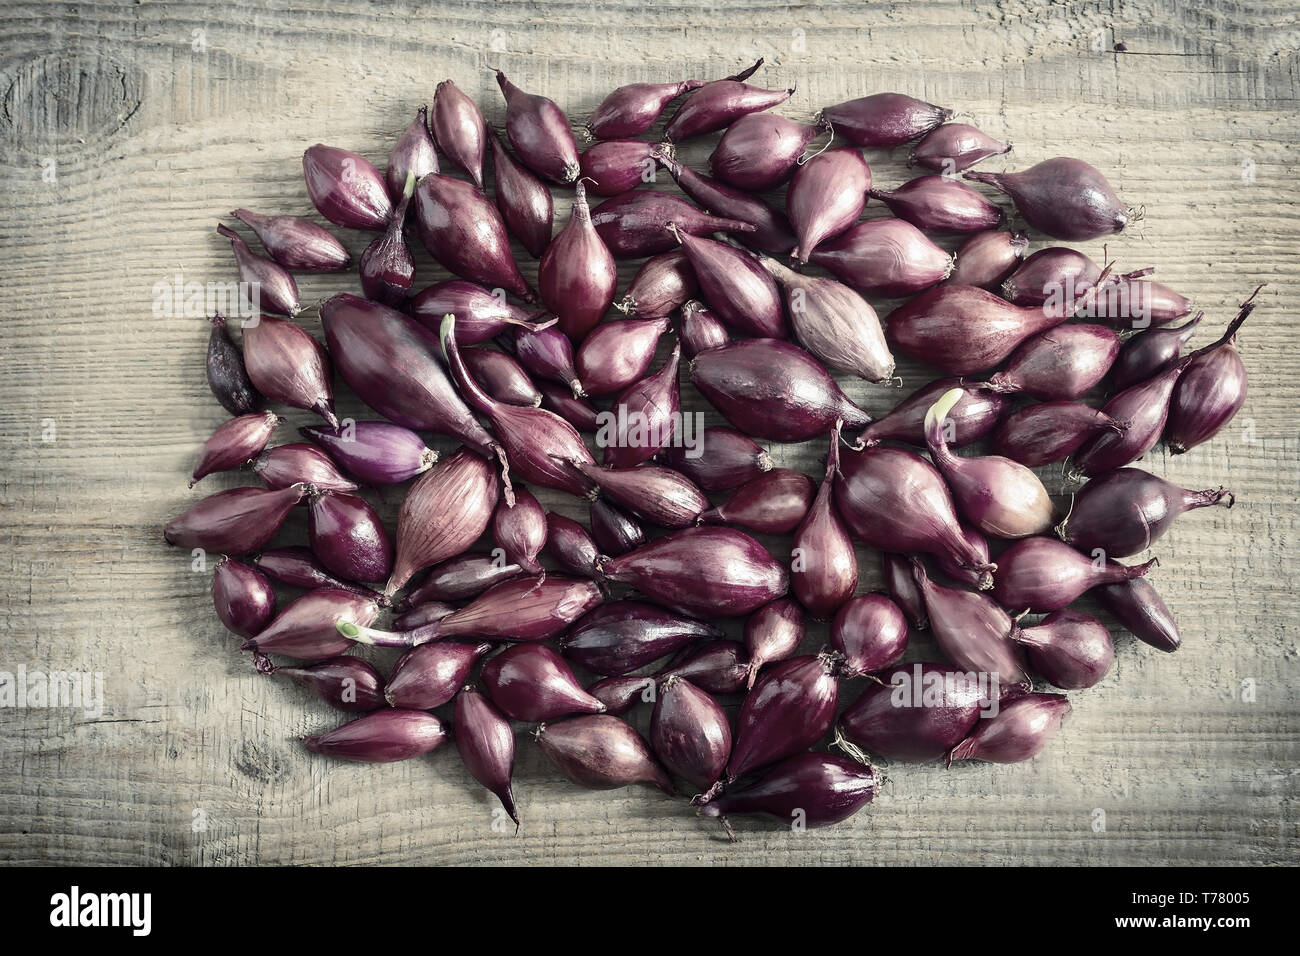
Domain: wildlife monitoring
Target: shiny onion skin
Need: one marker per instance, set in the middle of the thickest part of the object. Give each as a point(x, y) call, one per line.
point(571, 545)
point(725, 459)
point(802, 403)
point(501, 376)
point(578, 412)
point(346, 188)
point(227, 376)
point(1062, 198)
point(287, 365)
point(428, 676)
point(621, 694)
point(689, 732)
point(387, 267)
point(392, 363)
point(297, 567)
point(348, 537)
point(987, 258)
point(718, 667)
point(286, 465)
point(703, 572)
point(623, 636)
point(773, 633)
point(835, 324)
point(886, 257)
point(974, 416)
point(459, 129)
point(1043, 574)
point(520, 530)
point(1060, 364)
point(739, 290)
point(1049, 431)
point(1069, 649)
point(616, 354)
point(651, 492)
point(761, 150)
point(884, 119)
point(480, 314)
point(413, 155)
point(772, 231)
point(461, 578)
point(1208, 395)
point(601, 752)
point(961, 329)
point(773, 503)
point(663, 284)
point(955, 572)
point(348, 683)
point(540, 133)
point(1019, 732)
point(524, 201)
point(653, 407)
point(719, 104)
point(1127, 510)
point(242, 596)
point(901, 586)
point(972, 630)
point(577, 276)
point(546, 353)
point(306, 629)
point(820, 789)
point(1128, 302)
point(998, 496)
point(445, 511)
point(1149, 353)
point(486, 743)
point(1137, 606)
point(522, 609)
point(893, 499)
point(634, 224)
point(615, 531)
point(826, 196)
point(919, 713)
point(1145, 407)
point(295, 243)
point(871, 632)
point(235, 442)
point(617, 165)
point(463, 231)
point(1047, 271)
point(418, 616)
point(377, 453)
point(823, 563)
point(939, 204)
point(234, 522)
point(952, 147)
point(632, 109)
point(791, 707)
point(537, 442)
point(382, 737)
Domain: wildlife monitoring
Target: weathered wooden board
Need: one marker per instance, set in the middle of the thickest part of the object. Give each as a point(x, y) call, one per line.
point(128, 129)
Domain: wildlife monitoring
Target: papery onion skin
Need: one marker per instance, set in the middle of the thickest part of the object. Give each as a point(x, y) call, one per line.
point(296, 243)
point(234, 443)
point(632, 109)
point(382, 737)
point(761, 150)
point(377, 453)
point(540, 133)
point(772, 231)
point(823, 563)
point(296, 462)
point(429, 676)
point(652, 407)
point(306, 628)
point(939, 204)
point(703, 572)
point(1060, 364)
point(972, 630)
point(633, 224)
point(699, 329)
point(689, 732)
point(486, 743)
point(601, 752)
point(348, 537)
point(1137, 606)
point(524, 201)
point(887, 257)
point(740, 291)
point(952, 147)
point(651, 492)
point(287, 365)
point(901, 586)
point(974, 416)
point(773, 503)
point(227, 376)
point(461, 578)
point(413, 154)
point(722, 459)
point(1069, 649)
point(463, 230)
point(1049, 431)
point(718, 667)
point(822, 789)
point(987, 258)
point(663, 284)
point(826, 196)
point(1149, 353)
point(577, 276)
point(523, 609)
point(242, 596)
point(348, 683)
point(520, 530)
point(623, 636)
point(772, 633)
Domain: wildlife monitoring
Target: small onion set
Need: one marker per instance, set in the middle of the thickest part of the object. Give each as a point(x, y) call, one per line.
point(667, 639)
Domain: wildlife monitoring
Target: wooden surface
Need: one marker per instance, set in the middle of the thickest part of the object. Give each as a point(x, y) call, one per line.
point(156, 119)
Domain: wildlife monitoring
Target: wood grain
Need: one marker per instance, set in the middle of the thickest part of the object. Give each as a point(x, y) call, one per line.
point(128, 129)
